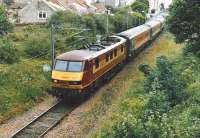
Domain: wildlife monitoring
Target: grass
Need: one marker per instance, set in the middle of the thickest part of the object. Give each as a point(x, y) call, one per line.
point(126, 84)
point(21, 86)
point(134, 113)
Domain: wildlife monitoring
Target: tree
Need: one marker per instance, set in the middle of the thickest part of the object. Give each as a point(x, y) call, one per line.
point(8, 2)
point(166, 79)
point(5, 25)
point(146, 2)
point(141, 6)
point(184, 22)
point(64, 17)
point(8, 53)
point(38, 46)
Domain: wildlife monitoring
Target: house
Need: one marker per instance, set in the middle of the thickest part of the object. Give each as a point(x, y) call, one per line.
point(37, 11)
point(113, 3)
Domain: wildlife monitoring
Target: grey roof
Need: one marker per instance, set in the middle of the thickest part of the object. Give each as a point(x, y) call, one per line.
point(133, 32)
point(153, 23)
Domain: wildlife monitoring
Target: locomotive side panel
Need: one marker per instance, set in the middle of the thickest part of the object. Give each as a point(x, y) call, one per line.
point(108, 60)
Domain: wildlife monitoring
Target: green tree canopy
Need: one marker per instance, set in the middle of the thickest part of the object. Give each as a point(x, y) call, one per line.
point(141, 6)
point(5, 25)
point(65, 17)
point(184, 22)
point(8, 53)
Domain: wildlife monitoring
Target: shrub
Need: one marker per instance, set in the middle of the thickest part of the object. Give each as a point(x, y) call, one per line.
point(5, 25)
point(65, 17)
point(8, 53)
point(167, 79)
point(17, 36)
point(37, 46)
point(140, 7)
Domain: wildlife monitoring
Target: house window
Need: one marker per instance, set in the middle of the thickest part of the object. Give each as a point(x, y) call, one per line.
point(42, 15)
point(96, 63)
point(115, 52)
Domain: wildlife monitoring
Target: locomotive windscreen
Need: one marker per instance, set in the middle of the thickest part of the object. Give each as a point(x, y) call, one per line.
point(68, 66)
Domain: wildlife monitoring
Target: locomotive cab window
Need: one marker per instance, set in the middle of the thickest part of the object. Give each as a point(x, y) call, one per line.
point(115, 52)
point(75, 66)
point(68, 66)
point(96, 63)
point(61, 65)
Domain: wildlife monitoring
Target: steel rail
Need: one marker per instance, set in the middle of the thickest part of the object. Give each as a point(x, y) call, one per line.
point(19, 133)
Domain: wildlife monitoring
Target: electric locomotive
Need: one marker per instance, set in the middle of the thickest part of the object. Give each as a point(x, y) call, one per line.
point(81, 71)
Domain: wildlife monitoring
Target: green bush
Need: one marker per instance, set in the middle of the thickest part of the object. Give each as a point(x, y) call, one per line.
point(139, 6)
point(5, 25)
point(38, 45)
point(8, 53)
point(17, 36)
point(65, 17)
point(167, 79)
point(21, 84)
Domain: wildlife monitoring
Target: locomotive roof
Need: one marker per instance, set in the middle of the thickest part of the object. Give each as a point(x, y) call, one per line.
point(153, 23)
point(131, 33)
point(90, 53)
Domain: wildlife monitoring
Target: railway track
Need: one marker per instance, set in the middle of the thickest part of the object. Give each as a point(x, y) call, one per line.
point(44, 122)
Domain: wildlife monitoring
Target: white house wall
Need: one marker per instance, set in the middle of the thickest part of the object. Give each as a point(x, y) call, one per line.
point(30, 13)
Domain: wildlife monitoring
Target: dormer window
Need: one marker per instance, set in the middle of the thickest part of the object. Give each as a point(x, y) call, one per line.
point(42, 15)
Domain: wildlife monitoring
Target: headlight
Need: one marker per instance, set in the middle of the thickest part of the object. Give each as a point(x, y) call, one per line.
point(55, 81)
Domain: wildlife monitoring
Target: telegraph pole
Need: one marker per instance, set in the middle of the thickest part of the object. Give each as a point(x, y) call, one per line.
point(107, 26)
point(52, 47)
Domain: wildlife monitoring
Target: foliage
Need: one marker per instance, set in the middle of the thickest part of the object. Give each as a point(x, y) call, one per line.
point(38, 45)
point(89, 22)
point(122, 22)
point(21, 84)
point(8, 53)
point(146, 2)
point(141, 6)
point(161, 108)
point(5, 25)
point(165, 78)
point(184, 23)
point(98, 22)
point(65, 17)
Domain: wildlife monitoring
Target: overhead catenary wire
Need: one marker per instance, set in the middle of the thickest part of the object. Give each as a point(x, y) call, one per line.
point(47, 51)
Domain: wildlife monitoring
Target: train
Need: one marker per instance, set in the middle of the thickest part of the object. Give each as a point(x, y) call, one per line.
point(80, 72)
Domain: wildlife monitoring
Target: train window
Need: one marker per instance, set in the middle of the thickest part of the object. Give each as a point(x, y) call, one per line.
point(97, 63)
point(75, 66)
point(122, 48)
point(107, 57)
point(61, 65)
point(111, 54)
point(115, 52)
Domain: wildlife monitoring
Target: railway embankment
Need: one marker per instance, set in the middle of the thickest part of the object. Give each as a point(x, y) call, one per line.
point(122, 95)
point(163, 101)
